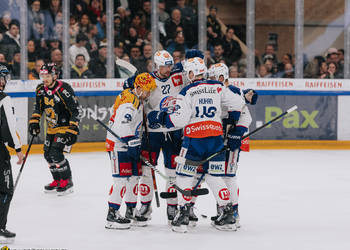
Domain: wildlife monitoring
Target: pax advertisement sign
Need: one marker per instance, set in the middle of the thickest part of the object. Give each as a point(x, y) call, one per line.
point(315, 118)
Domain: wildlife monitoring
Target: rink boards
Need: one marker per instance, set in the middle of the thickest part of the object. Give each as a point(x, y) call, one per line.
point(321, 120)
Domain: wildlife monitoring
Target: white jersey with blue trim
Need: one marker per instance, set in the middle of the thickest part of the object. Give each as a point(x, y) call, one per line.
point(245, 119)
point(199, 108)
point(164, 96)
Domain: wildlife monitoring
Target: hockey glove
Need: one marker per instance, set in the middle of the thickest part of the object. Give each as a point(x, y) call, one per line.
point(253, 96)
point(72, 134)
point(159, 118)
point(34, 127)
point(234, 137)
point(134, 148)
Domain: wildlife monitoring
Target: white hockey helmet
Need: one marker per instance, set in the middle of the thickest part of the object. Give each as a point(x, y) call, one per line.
point(196, 65)
point(163, 58)
point(220, 69)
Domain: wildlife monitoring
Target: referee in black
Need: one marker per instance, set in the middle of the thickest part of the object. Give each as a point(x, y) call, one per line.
point(8, 137)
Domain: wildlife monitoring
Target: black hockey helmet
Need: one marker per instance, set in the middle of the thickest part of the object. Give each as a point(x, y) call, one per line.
point(4, 74)
point(49, 68)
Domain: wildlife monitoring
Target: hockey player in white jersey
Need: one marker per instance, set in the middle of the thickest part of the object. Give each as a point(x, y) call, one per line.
point(199, 107)
point(124, 152)
point(235, 129)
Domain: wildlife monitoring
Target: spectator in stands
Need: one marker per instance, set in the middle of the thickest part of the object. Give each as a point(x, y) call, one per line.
point(269, 53)
point(313, 68)
point(163, 15)
point(218, 53)
point(323, 70)
point(79, 69)
point(84, 23)
point(119, 27)
point(33, 54)
point(16, 65)
point(178, 56)
point(288, 71)
point(263, 72)
point(149, 66)
point(145, 14)
point(10, 41)
point(341, 56)
point(78, 7)
point(138, 25)
point(79, 48)
point(213, 27)
point(172, 23)
point(186, 11)
point(101, 26)
point(56, 57)
point(132, 39)
point(34, 73)
point(13, 7)
point(332, 71)
point(95, 11)
point(287, 58)
point(232, 49)
point(233, 71)
point(271, 67)
point(5, 22)
point(178, 43)
point(73, 29)
point(93, 41)
point(51, 16)
point(118, 49)
point(36, 22)
point(135, 58)
point(3, 59)
point(208, 59)
point(146, 52)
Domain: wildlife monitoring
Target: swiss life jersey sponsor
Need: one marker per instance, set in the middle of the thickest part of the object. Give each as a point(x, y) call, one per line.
point(200, 108)
point(163, 97)
point(126, 120)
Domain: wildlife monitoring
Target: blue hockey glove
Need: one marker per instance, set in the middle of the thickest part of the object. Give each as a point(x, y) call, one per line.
point(254, 97)
point(134, 148)
point(157, 118)
point(234, 137)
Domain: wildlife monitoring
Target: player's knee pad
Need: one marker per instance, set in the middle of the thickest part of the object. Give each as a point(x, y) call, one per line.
point(219, 189)
point(146, 171)
point(56, 155)
point(132, 186)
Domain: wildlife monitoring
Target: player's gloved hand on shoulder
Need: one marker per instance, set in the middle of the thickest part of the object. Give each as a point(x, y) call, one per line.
point(234, 137)
point(134, 148)
point(72, 134)
point(34, 127)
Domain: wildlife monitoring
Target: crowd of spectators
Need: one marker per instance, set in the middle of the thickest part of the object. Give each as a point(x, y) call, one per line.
point(178, 31)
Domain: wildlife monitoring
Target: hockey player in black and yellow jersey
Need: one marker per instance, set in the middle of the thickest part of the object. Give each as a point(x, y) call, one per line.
point(57, 100)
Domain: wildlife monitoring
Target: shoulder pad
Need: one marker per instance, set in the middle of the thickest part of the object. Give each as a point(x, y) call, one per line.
point(234, 89)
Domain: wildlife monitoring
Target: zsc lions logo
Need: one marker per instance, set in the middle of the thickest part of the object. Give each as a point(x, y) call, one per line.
point(168, 104)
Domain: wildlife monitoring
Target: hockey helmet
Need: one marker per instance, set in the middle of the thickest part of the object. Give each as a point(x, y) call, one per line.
point(49, 68)
point(163, 58)
point(145, 81)
point(4, 72)
point(195, 65)
point(220, 69)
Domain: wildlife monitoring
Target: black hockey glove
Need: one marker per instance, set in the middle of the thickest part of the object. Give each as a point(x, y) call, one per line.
point(72, 134)
point(34, 127)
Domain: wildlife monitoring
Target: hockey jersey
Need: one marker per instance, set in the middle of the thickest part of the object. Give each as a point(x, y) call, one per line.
point(199, 108)
point(125, 121)
point(60, 106)
point(164, 96)
point(8, 132)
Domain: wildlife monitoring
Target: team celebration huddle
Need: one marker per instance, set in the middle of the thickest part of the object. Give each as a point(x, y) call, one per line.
point(188, 113)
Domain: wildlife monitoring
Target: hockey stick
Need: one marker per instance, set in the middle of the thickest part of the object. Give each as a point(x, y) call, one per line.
point(184, 192)
point(24, 161)
point(185, 161)
point(196, 192)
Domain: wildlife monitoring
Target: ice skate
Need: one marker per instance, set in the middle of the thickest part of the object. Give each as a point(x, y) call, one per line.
point(225, 220)
point(171, 212)
point(6, 237)
point(52, 187)
point(193, 219)
point(116, 221)
point(181, 220)
point(143, 215)
point(65, 187)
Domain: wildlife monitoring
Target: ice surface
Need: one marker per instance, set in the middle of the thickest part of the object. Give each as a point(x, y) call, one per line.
point(288, 200)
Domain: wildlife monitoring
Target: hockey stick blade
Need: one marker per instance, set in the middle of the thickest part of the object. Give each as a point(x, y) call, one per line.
point(195, 192)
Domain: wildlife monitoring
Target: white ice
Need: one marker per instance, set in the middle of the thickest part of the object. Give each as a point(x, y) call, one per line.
point(288, 200)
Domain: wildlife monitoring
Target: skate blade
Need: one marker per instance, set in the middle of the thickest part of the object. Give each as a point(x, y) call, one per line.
point(227, 227)
point(68, 191)
point(50, 191)
point(5, 240)
point(180, 229)
point(192, 224)
point(114, 225)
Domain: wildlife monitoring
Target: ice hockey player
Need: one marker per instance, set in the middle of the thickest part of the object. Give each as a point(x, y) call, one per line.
point(235, 131)
point(124, 152)
point(198, 110)
point(57, 100)
point(8, 136)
